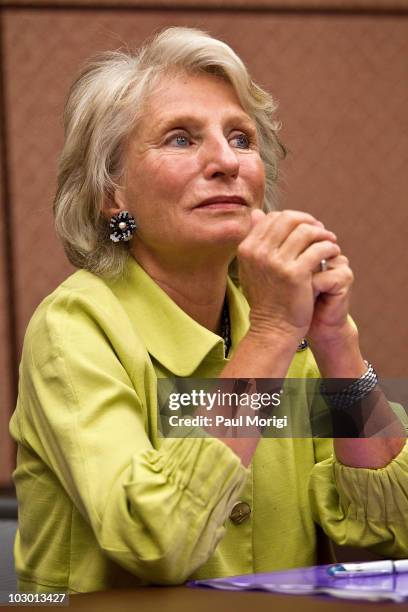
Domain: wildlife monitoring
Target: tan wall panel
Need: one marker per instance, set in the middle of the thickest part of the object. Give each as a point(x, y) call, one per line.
point(327, 5)
point(346, 128)
point(341, 83)
point(5, 352)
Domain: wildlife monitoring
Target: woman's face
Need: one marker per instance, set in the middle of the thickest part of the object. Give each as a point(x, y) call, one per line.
point(194, 142)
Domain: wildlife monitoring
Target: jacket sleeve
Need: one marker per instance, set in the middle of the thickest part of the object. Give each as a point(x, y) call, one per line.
point(362, 507)
point(158, 511)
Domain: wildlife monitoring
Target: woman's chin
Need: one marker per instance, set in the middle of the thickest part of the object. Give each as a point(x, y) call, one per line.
point(224, 230)
point(228, 236)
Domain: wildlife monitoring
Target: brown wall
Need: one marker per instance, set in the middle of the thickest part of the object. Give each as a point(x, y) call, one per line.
point(341, 80)
point(6, 380)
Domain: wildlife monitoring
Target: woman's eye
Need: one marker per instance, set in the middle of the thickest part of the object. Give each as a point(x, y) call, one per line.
point(179, 140)
point(242, 140)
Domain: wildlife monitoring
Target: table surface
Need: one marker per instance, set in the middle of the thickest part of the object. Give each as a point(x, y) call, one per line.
point(185, 599)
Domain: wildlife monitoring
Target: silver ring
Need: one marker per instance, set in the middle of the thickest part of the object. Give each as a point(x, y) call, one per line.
point(324, 266)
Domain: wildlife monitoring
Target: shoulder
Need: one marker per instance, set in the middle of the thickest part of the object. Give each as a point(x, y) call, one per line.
point(82, 291)
point(81, 311)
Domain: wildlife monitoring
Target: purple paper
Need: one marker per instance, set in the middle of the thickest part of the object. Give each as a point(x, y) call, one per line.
point(314, 580)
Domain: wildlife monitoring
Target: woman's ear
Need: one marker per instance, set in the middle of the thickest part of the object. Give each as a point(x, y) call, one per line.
point(114, 203)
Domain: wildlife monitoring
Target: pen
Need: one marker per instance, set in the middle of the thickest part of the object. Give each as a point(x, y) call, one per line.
point(368, 568)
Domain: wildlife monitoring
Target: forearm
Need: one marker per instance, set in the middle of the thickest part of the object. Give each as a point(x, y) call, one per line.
point(343, 359)
point(259, 355)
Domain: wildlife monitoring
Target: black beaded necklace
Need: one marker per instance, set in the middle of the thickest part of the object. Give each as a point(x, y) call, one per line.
point(226, 327)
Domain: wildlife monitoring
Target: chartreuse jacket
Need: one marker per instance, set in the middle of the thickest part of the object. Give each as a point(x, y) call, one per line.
point(105, 501)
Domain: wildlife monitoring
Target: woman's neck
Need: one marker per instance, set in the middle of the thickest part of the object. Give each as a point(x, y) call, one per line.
point(197, 289)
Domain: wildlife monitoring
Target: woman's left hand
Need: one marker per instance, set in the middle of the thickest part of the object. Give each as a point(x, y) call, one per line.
point(332, 290)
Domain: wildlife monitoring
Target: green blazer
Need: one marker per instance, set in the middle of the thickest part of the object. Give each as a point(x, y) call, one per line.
point(105, 501)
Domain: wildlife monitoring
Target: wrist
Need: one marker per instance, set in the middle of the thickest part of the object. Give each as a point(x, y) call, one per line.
point(340, 356)
point(280, 339)
point(261, 355)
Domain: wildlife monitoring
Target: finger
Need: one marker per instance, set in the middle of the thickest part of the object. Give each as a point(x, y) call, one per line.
point(303, 217)
point(261, 224)
point(287, 222)
point(303, 236)
point(334, 281)
point(257, 215)
point(334, 262)
point(276, 227)
point(313, 255)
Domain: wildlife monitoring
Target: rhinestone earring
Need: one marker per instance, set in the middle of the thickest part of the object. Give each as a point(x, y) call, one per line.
point(122, 226)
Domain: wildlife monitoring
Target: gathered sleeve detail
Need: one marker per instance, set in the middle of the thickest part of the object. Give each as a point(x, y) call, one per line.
point(362, 506)
point(177, 501)
point(188, 462)
point(166, 516)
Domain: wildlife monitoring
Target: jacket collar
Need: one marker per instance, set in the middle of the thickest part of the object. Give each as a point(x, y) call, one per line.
point(170, 335)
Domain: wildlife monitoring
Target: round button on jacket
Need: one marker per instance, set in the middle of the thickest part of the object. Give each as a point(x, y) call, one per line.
point(240, 512)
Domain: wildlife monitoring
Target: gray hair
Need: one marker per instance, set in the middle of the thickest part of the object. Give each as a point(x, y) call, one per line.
point(103, 107)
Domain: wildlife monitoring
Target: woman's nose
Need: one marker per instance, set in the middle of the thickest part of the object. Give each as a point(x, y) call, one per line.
point(220, 159)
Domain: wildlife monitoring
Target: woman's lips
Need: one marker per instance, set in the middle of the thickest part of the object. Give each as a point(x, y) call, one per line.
point(223, 203)
point(221, 206)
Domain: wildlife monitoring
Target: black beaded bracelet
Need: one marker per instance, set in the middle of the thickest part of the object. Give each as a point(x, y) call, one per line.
point(352, 393)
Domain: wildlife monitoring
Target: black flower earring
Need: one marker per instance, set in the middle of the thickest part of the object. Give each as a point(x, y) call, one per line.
point(122, 226)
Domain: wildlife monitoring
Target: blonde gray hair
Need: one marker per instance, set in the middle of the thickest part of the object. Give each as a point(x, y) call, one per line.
point(102, 109)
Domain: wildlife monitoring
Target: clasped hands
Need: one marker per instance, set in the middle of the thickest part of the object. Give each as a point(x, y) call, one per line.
point(279, 262)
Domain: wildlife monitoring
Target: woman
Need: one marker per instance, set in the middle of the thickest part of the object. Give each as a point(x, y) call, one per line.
point(166, 177)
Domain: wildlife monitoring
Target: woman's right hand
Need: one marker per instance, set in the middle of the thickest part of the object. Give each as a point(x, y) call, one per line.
point(277, 260)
